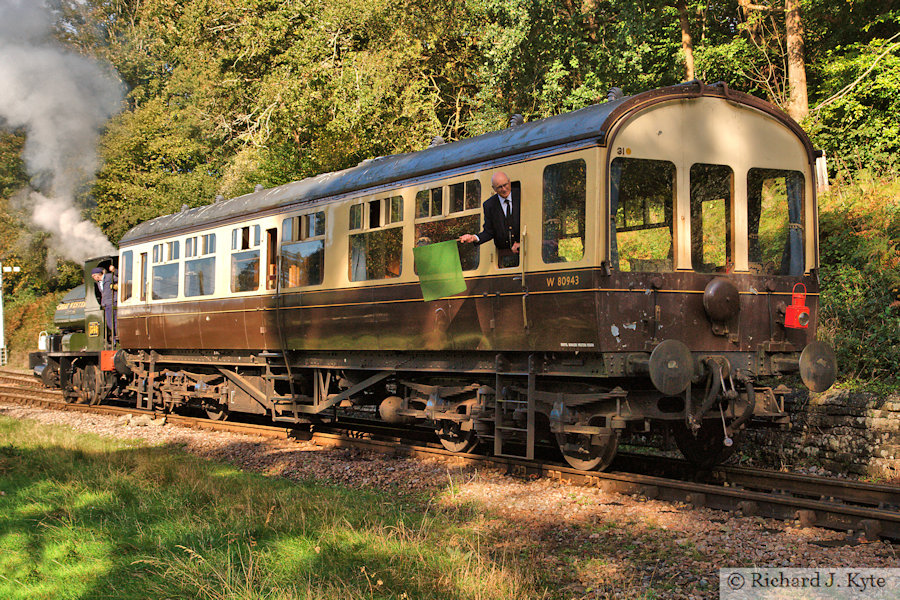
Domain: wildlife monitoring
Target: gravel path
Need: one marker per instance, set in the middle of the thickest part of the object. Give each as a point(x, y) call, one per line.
point(592, 543)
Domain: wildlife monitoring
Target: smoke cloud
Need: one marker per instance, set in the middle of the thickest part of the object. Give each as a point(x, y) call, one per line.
point(61, 100)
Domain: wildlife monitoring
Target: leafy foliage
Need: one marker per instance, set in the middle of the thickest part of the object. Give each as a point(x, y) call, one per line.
point(12, 171)
point(860, 253)
point(157, 157)
point(227, 94)
point(858, 127)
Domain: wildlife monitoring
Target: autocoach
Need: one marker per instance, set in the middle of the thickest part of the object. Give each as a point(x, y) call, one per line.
point(667, 279)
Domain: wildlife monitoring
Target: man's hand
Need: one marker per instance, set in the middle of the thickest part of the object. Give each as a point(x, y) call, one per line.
point(468, 238)
point(515, 247)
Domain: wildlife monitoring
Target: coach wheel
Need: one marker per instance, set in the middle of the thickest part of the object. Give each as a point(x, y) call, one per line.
point(454, 438)
point(707, 448)
point(588, 452)
point(217, 412)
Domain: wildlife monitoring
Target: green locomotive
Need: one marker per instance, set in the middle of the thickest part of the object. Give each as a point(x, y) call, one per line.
point(80, 358)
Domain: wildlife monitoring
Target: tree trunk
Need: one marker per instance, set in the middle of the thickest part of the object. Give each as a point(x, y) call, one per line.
point(798, 106)
point(687, 44)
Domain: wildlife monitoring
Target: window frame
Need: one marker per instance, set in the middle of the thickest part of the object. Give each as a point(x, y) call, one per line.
point(546, 217)
point(165, 254)
point(245, 239)
point(126, 279)
point(615, 204)
point(696, 219)
point(371, 226)
point(301, 225)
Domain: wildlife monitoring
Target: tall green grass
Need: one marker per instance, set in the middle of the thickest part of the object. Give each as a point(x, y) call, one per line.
point(87, 517)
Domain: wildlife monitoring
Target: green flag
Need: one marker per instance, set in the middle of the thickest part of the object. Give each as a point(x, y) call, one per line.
point(440, 273)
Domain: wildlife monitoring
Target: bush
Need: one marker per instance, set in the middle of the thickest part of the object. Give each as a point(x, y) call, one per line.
point(860, 257)
point(26, 316)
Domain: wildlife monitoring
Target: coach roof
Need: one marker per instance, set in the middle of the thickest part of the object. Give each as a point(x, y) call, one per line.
point(591, 122)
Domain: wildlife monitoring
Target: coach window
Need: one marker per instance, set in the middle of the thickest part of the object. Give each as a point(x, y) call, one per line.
point(563, 211)
point(126, 275)
point(712, 218)
point(775, 221)
point(303, 250)
point(393, 208)
point(430, 203)
point(376, 252)
point(200, 265)
point(144, 276)
point(642, 193)
point(356, 219)
point(165, 271)
point(245, 243)
point(464, 197)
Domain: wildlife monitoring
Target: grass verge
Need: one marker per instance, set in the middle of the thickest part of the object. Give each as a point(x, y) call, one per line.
point(88, 517)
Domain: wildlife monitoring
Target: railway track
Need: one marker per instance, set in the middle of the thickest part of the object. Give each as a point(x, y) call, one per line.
point(841, 504)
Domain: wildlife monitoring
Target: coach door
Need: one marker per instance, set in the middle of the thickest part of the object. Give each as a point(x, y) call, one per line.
point(507, 318)
point(299, 265)
point(139, 325)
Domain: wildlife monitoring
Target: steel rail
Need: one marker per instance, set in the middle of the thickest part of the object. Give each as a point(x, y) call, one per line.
point(813, 487)
point(840, 504)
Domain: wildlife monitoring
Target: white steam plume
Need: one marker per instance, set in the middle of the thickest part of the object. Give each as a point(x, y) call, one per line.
point(61, 100)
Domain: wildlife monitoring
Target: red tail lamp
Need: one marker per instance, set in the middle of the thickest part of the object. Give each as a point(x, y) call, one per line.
point(796, 316)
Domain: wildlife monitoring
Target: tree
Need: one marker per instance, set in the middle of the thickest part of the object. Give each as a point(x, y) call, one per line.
point(687, 43)
point(543, 57)
point(798, 105)
point(764, 55)
point(156, 158)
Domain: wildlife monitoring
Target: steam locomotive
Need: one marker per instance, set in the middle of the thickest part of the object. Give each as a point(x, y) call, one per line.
point(666, 280)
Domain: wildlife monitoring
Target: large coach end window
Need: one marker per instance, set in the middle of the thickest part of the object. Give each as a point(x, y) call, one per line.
point(126, 279)
point(642, 193)
point(775, 221)
point(200, 272)
point(303, 250)
point(712, 218)
point(563, 216)
point(245, 243)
